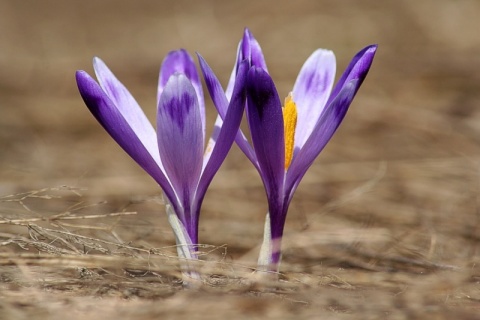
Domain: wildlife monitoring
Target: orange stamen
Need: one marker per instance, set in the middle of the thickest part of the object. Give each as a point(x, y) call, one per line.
point(289, 125)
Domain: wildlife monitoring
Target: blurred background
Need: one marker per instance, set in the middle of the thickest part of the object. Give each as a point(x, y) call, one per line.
point(403, 165)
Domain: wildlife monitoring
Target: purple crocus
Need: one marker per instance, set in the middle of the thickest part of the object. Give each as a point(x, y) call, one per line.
point(173, 154)
point(287, 139)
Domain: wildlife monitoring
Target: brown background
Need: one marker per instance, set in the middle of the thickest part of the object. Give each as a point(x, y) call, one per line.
point(385, 223)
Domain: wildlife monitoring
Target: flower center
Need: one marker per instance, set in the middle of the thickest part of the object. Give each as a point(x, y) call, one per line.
point(289, 124)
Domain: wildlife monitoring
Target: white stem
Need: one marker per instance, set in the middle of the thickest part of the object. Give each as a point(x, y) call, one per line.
point(265, 256)
point(185, 247)
point(269, 246)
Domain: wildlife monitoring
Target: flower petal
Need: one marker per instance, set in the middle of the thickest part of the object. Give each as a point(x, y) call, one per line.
point(326, 126)
point(331, 117)
point(221, 104)
point(249, 49)
point(265, 120)
point(128, 107)
point(252, 51)
point(180, 61)
point(357, 69)
point(311, 91)
point(227, 133)
point(180, 139)
point(121, 130)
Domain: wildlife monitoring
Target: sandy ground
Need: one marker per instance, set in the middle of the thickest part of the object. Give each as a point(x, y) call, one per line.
point(385, 225)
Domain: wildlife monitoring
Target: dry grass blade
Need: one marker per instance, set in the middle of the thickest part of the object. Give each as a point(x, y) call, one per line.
point(66, 217)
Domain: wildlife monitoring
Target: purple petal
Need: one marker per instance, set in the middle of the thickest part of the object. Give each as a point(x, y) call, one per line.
point(328, 123)
point(114, 122)
point(311, 91)
point(233, 74)
point(248, 49)
point(331, 117)
point(357, 69)
point(214, 87)
point(180, 139)
point(252, 50)
point(221, 103)
point(278, 214)
point(265, 119)
point(180, 61)
point(128, 107)
point(227, 133)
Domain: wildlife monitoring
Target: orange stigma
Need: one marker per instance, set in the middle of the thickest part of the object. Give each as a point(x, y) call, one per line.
point(289, 125)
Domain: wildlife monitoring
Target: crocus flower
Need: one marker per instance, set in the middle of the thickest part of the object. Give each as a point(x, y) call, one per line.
point(285, 140)
point(173, 155)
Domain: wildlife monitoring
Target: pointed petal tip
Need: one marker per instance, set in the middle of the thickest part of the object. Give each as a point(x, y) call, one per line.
point(104, 74)
point(321, 51)
point(247, 34)
point(371, 49)
point(366, 57)
point(204, 67)
point(200, 58)
point(82, 78)
point(178, 54)
point(79, 73)
point(182, 62)
point(97, 62)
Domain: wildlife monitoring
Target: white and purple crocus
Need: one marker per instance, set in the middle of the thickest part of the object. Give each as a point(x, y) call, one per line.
point(175, 154)
point(287, 138)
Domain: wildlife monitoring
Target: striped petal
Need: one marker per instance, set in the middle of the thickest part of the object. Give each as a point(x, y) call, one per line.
point(357, 69)
point(128, 107)
point(180, 61)
point(180, 139)
point(227, 133)
point(322, 133)
point(252, 51)
point(265, 119)
point(331, 117)
point(221, 104)
point(248, 49)
point(311, 91)
point(117, 125)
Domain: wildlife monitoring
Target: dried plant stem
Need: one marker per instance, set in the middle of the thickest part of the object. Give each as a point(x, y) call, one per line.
point(66, 217)
point(88, 261)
